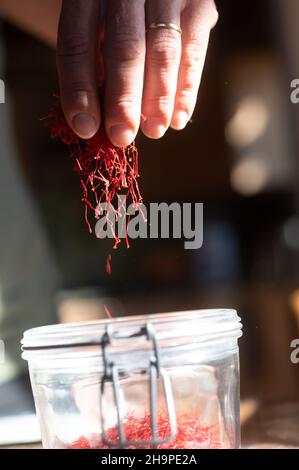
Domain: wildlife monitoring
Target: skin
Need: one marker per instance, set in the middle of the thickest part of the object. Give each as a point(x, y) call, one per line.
point(151, 76)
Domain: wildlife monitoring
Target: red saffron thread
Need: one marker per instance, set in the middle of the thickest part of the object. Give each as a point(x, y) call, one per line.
point(105, 171)
point(190, 434)
point(108, 265)
point(107, 312)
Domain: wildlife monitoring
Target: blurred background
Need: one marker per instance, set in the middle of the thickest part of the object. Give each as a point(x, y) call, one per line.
point(239, 156)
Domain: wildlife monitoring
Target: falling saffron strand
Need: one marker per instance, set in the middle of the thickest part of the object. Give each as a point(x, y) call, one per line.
point(108, 265)
point(107, 312)
point(105, 171)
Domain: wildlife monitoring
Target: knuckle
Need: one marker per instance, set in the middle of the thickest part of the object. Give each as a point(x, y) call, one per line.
point(160, 107)
point(187, 98)
point(193, 55)
point(214, 15)
point(76, 97)
point(125, 47)
point(73, 44)
point(188, 89)
point(212, 11)
point(164, 51)
point(79, 90)
point(161, 102)
point(122, 104)
point(124, 108)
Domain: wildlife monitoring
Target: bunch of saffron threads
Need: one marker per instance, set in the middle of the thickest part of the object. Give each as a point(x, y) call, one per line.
point(106, 172)
point(190, 434)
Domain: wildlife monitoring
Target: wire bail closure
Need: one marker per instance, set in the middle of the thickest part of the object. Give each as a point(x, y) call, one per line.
point(112, 374)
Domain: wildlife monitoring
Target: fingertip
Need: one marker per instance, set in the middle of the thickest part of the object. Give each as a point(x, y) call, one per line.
point(153, 128)
point(179, 120)
point(121, 135)
point(85, 125)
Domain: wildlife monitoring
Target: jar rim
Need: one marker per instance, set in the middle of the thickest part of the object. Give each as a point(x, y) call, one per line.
point(205, 325)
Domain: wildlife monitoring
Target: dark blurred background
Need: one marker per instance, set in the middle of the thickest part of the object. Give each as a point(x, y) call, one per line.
point(239, 156)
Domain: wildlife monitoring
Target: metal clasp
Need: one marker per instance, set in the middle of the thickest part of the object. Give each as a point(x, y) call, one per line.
point(112, 375)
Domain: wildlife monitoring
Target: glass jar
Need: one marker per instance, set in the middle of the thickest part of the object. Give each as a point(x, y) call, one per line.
point(156, 381)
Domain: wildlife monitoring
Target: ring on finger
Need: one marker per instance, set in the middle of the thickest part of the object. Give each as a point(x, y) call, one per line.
point(172, 26)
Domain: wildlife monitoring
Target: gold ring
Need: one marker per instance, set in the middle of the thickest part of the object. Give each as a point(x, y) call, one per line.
point(173, 26)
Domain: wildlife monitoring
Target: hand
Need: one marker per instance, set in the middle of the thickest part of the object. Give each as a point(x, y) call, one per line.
point(151, 77)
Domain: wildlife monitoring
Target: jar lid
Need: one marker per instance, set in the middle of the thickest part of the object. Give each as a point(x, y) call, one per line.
point(173, 327)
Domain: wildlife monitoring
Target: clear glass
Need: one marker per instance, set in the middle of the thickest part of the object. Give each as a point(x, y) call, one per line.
point(198, 352)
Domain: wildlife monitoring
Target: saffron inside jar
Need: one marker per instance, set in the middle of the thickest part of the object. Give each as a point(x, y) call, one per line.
point(190, 434)
point(194, 397)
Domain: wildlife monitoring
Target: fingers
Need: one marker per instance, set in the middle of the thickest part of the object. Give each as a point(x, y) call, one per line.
point(163, 51)
point(124, 55)
point(168, 91)
point(198, 18)
point(77, 61)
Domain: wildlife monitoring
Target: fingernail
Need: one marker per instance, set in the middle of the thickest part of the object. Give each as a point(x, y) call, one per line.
point(84, 125)
point(121, 136)
point(153, 128)
point(180, 120)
